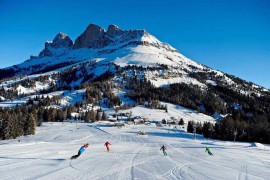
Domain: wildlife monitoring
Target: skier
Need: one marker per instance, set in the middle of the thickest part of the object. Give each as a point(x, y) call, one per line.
point(107, 146)
point(81, 150)
point(207, 149)
point(163, 148)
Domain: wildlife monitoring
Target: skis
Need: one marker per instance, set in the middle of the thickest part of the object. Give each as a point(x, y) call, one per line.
point(74, 157)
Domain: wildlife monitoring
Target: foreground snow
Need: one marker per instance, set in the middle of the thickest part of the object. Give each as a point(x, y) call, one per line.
point(46, 155)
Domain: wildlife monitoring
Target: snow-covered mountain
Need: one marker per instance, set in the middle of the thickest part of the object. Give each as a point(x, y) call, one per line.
point(120, 55)
point(104, 71)
point(99, 50)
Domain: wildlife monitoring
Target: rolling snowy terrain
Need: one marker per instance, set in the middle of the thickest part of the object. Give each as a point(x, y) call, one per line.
point(46, 154)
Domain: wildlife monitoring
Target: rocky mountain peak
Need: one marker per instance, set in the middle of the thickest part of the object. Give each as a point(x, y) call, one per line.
point(113, 27)
point(61, 40)
point(96, 37)
point(92, 37)
point(114, 30)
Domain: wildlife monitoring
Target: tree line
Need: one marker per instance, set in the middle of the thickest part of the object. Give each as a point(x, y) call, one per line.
point(251, 121)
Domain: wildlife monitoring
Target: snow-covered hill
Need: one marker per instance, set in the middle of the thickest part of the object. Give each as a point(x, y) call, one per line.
point(46, 154)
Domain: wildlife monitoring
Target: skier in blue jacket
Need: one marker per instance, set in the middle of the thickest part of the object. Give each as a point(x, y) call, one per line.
point(81, 150)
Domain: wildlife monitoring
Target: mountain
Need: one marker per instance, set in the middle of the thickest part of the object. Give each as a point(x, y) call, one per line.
point(113, 47)
point(123, 48)
point(94, 42)
point(116, 64)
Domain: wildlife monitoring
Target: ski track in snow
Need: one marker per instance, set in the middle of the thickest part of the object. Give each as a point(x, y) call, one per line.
point(46, 155)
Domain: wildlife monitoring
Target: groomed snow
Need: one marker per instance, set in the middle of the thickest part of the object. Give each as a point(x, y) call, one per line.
point(46, 155)
point(173, 111)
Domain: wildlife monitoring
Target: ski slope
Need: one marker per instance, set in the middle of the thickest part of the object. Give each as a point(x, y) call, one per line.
point(46, 155)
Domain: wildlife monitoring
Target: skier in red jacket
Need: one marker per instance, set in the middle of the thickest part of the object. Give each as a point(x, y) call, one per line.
point(163, 148)
point(107, 146)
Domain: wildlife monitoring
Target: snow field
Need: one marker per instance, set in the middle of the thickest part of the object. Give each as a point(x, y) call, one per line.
point(46, 155)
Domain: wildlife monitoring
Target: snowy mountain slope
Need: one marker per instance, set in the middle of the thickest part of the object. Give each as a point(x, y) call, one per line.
point(46, 155)
point(122, 48)
point(117, 56)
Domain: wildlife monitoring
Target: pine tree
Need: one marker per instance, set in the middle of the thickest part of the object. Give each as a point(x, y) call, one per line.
point(40, 116)
point(87, 117)
point(130, 115)
point(104, 116)
point(207, 129)
point(199, 128)
point(18, 119)
point(98, 117)
point(190, 128)
point(69, 112)
point(7, 127)
point(53, 113)
point(59, 115)
point(31, 124)
point(93, 115)
point(181, 122)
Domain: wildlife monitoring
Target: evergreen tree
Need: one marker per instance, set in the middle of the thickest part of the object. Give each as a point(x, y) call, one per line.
point(190, 128)
point(207, 130)
point(18, 119)
point(40, 116)
point(59, 115)
point(87, 117)
point(130, 115)
point(69, 112)
point(104, 116)
point(98, 117)
point(181, 122)
point(7, 127)
point(31, 124)
point(199, 128)
point(92, 115)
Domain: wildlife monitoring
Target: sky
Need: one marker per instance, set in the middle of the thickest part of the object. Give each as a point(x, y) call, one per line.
point(232, 36)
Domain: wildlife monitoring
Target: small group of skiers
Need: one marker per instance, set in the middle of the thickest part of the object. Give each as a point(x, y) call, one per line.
point(163, 148)
point(107, 144)
point(82, 149)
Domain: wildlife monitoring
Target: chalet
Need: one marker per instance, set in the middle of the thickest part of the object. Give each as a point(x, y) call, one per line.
point(171, 120)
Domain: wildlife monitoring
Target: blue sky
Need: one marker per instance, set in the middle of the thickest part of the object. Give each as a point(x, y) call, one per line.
point(229, 35)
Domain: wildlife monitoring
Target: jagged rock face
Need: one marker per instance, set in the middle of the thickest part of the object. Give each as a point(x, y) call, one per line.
point(92, 37)
point(114, 30)
point(61, 40)
point(96, 37)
